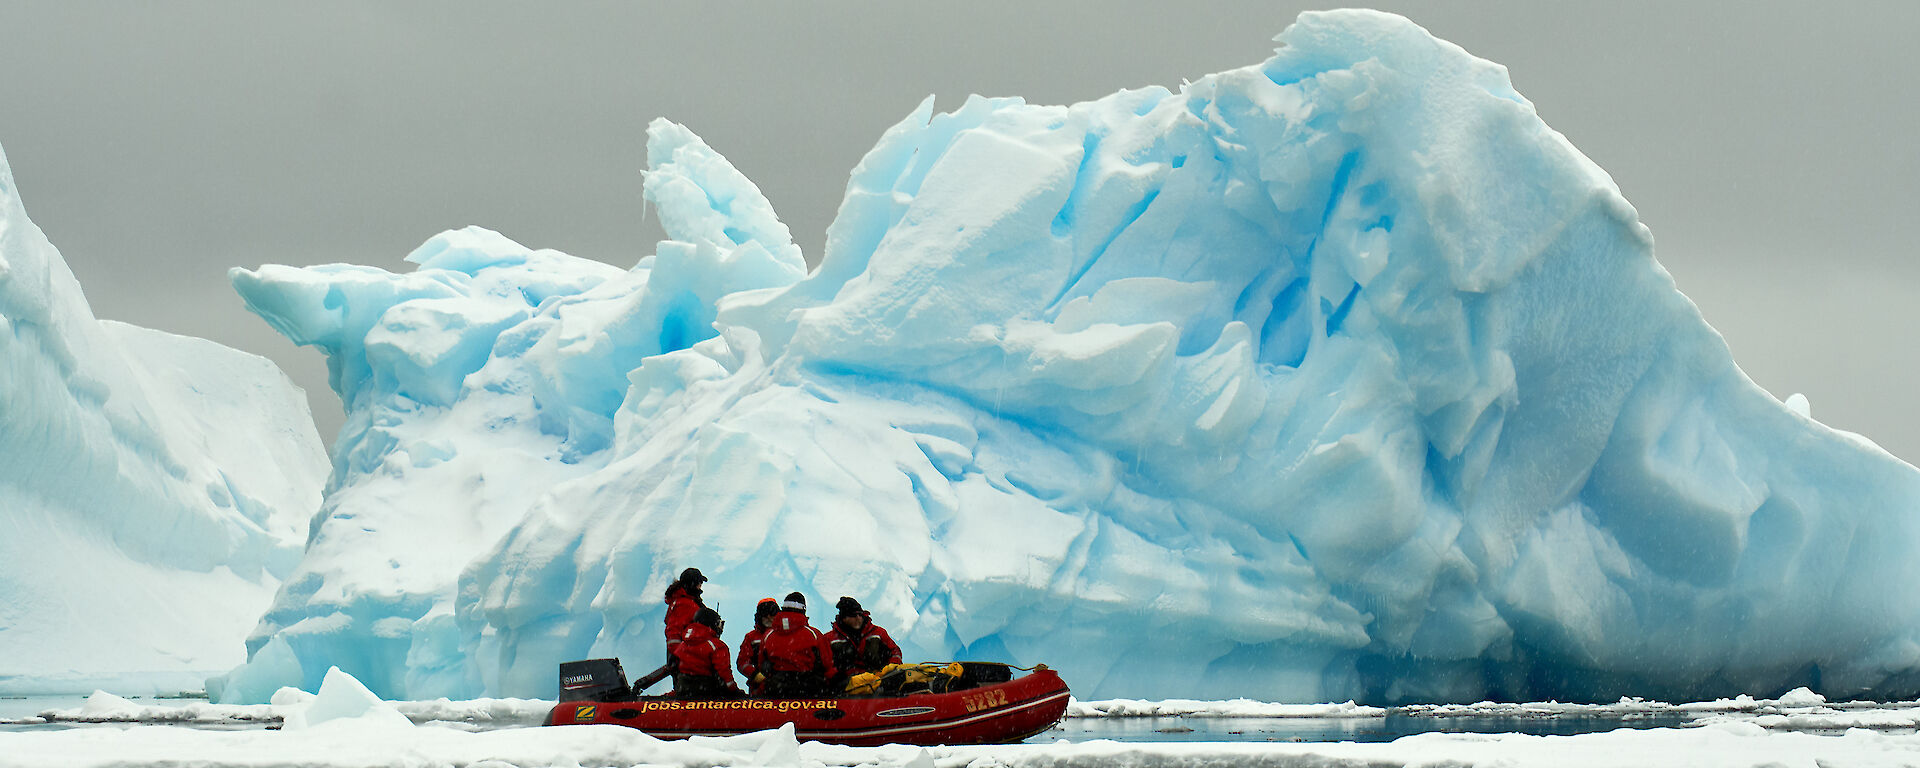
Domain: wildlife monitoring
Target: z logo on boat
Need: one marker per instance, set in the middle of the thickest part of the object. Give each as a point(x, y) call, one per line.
point(584, 713)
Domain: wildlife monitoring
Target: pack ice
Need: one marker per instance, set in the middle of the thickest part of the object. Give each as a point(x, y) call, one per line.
point(1338, 376)
point(153, 488)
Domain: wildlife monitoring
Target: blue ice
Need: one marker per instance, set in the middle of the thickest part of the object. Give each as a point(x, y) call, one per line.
point(1338, 376)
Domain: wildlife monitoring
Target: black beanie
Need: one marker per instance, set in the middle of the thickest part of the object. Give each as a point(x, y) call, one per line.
point(848, 606)
point(795, 602)
point(709, 617)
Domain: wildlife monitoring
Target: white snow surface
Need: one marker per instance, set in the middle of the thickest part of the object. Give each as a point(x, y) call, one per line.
point(1828, 719)
point(345, 725)
point(349, 743)
point(1340, 376)
point(153, 488)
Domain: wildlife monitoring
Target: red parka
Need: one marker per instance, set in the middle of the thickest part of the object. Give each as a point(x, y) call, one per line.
point(850, 647)
point(749, 661)
point(703, 654)
point(681, 606)
point(794, 646)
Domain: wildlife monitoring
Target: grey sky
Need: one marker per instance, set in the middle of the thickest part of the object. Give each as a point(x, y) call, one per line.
point(1770, 148)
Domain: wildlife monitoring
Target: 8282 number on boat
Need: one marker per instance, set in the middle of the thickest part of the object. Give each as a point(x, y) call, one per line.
point(985, 700)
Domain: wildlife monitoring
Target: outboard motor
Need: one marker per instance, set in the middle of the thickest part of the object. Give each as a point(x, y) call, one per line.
point(593, 680)
point(978, 673)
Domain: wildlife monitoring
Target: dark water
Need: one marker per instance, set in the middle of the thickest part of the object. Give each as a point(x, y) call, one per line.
point(23, 707)
point(14, 709)
point(1388, 728)
point(1132, 729)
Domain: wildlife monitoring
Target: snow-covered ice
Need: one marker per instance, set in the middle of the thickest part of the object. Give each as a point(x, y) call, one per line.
point(1826, 719)
point(346, 726)
point(607, 745)
point(153, 488)
point(357, 730)
point(1340, 376)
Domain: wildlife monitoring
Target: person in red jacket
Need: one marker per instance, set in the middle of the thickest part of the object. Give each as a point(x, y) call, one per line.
point(794, 656)
point(683, 602)
point(858, 644)
point(750, 645)
point(703, 672)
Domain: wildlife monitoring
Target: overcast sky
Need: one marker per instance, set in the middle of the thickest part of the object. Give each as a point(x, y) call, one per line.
point(1771, 148)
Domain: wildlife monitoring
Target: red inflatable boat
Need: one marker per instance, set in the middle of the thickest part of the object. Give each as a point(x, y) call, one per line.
point(980, 713)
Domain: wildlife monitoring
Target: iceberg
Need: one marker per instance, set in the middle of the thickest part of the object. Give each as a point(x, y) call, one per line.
point(153, 488)
point(1337, 377)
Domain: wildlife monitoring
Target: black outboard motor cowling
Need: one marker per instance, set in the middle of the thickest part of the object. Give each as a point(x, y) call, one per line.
point(978, 673)
point(593, 680)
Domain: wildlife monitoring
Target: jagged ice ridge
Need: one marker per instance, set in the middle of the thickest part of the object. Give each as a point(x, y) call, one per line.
point(153, 487)
point(1337, 377)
